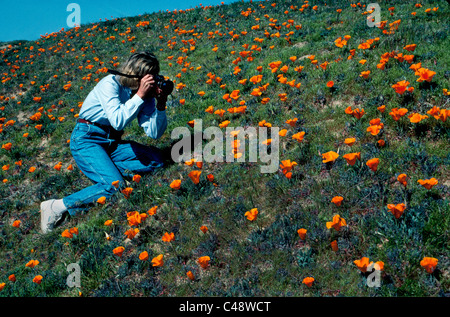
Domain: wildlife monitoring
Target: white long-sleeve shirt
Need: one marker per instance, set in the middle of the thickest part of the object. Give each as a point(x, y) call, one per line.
point(109, 103)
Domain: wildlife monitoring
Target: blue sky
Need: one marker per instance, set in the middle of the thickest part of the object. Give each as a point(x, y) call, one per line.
point(29, 19)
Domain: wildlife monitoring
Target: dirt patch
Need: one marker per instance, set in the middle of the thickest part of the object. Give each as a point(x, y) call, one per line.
point(300, 44)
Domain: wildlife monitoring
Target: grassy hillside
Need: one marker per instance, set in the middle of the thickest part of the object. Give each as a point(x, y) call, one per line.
point(315, 70)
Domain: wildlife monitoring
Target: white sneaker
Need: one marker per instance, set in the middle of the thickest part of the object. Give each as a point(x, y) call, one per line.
point(49, 218)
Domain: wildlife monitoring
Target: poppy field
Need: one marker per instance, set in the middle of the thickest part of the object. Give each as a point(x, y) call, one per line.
point(359, 205)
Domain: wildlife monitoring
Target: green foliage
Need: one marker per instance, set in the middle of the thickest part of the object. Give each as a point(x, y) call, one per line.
point(264, 257)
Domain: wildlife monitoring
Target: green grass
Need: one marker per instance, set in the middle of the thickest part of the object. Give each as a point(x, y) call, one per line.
point(264, 257)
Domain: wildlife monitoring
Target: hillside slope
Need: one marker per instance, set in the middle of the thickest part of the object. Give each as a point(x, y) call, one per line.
point(334, 86)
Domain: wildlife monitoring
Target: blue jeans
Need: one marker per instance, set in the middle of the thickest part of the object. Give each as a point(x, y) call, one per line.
point(104, 158)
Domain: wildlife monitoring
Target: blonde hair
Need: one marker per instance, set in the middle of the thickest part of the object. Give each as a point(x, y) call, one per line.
point(140, 64)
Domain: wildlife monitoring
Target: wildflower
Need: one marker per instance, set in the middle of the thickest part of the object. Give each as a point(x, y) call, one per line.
point(7, 146)
point(135, 218)
point(131, 233)
point(204, 261)
point(337, 200)
point(350, 141)
point(158, 261)
point(190, 275)
point(425, 75)
point(108, 222)
point(397, 210)
point(402, 179)
point(195, 176)
point(204, 229)
point(143, 256)
point(334, 246)
point(252, 214)
point(302, 233)
point(66, 234)
point(16, 223)
point(401, 86)
point(168, 237)
point(351, 157)
point(428, 183)
point(336, 223)
point(286, 166)
point(396, 113)
point(119, 251)
point(101, 200)
point(330, 156)
point(137, 178)
point(299, 136)
point(37, 279)
point(32, 263)
point(308, 281)
point(362, 264)
point(416, 117)
point(429, 264)
point(373, 164)
point(127, 192)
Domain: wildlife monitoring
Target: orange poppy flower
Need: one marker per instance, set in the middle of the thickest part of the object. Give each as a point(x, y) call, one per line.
point(373, 164)
point(137, 178)
point(204, 261)
point(302, 233)
point(308, 281)
point(424, 75)
point(363, 264)
point(401, 86)
point(402, 179)
point(37, 279)
point(429, 264)
point(7, 146)
point(286, 166)
point(330, 156)
point(127, 192)
point(416, 117)
point(397, 210)
point(334, 246)
point(118, 251)
point(131, 233)
point(351, 157)
point(204, 229)
point(66, 234)
point(158, 261)
point(336, 223)
point(143, 256)
point(190, 275)
point(195, 176)
point(299, 136)
point(252, 214)
point(32, 263)
point(350, 141)
point(16, 223)
point(101, 200)
point(337, 200)
point(152, 211)
point(428, 183)
point(168, 237)
point(330, 84)
point(396, 113)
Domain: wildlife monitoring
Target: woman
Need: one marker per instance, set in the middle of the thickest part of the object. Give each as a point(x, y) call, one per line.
point(96, 143)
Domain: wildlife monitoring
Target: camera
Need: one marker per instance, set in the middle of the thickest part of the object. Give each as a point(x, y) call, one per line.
point(165, 85)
